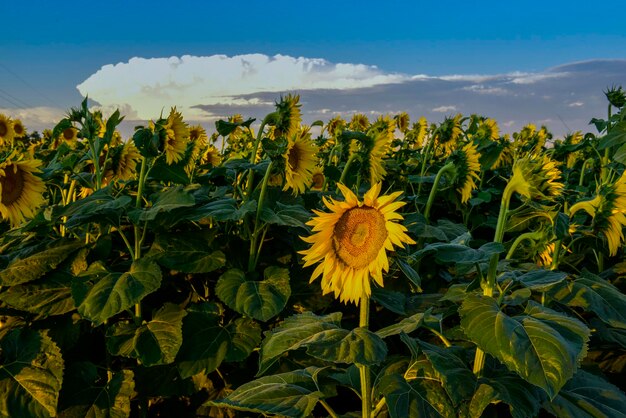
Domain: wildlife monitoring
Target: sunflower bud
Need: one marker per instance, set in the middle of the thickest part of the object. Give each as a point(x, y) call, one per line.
point(616, 96)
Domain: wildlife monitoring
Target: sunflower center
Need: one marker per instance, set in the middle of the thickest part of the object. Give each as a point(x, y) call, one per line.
point(318, 180)
point(19, 129)
point(12, 185)
point(359, 235)
point(294, 157)
point(3, 129)
point(68, 133)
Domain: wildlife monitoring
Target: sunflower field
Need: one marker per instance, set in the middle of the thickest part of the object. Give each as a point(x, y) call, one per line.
point(353, 268)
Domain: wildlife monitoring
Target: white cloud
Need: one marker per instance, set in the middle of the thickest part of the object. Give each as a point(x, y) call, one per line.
point(146, 85)
point(36, 118)
point(444, 109)
point(576, 104)
point(482, 89)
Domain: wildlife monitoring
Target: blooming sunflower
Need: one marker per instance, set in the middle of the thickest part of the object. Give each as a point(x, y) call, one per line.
point(69, 135)
point(359, 122)
point(20, 189)
point(572, 139)
point(415, 137)
point(505, 157)
point(211, 156)
point(448, 134)
point(376, 151)
point(177, 137)
point(488, 129)
point(126, 166)
point(402, 122)
point(535, 177)
point(300, 159)
point(288, 117)
point(317, 179)
point(18, 128)
point(352, 242)
point(6, 130)
point(608, 210)
point(467, 167)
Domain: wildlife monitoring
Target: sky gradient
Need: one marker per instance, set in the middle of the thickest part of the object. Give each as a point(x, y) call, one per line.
point(541, 62)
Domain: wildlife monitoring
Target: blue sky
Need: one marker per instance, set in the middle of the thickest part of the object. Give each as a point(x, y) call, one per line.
point(47, 49)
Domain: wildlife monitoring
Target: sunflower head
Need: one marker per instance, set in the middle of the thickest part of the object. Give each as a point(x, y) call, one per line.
point(125, 161)
point(467, 166)
point(300, 159)
point(7, 132)
point(488, 129)
point(402, 122)
point(68, 136)
point(374, 150)
point(448, 134)
point(359, 122)
point(176, 137)
point(351, 242)
point(416, 136)
point(21, 190)
point(535, 177)
point(608, 210)
point(288, 116)
point(18, 128)
point(572, 139)
point(318, 179)
point(211, 156)
point(616, 96)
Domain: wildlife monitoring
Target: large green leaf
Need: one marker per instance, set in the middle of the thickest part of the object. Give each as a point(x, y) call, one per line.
point(111, 293)
point(262, 300)
point(287, 215)
point(539, 280)
point(407, 325)
point(244, 335)
point(457, 379)
point(292, 394)
point(461, 254)
point(174, 173)
point(290, 334)
point(31, 372)
point(594, 294)
point(34, 266)
point(89, 393)
point(226, 209)
point(588, 395)
point(205, 341)
point(523, 398)
point(100, 207)
point(153, 343)
point(358, 346)
point(166, 201)
point(187, 254)
point(422, 398)
point(542, 346)
point(51, 295)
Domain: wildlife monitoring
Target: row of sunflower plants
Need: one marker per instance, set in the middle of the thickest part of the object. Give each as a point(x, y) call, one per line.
point(372, 268)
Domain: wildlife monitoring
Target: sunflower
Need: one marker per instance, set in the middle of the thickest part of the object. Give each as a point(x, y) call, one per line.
point(467, 170)
point(352, 241)
point(535, 177)
point(375, 150)
point(20, 189)
point(211, 156)
point(505, 157)
point(608, 211)
point(415, 137)
point(359, 122)
point(300, 160)
point(198, 134)
point(177, 136)
point(69, 135)
point(402, 122)
point(126, 167)
point(18, 128)
point(288, 117)
point(6, 130)
point(572, 139)
point(488, 129)
point(449, 133)
point(318, 179)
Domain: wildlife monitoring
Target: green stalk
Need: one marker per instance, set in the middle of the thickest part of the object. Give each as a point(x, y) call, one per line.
point(431, 198)
point(344, 173)
point(530, 236)
point(364, 371)
point(255, 235)
point(426, 156)
point(582, 171)
point(257, 142)
point(137, 230)
point(479, 358)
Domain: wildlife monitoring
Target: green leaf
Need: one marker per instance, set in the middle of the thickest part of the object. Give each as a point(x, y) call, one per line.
point(394, 301)
point(187, 253)
point(588, 395)
point(173, 173)
point(100, 207)
point(153, 343)
point(32, 267)
point(226, 209)
point(523, 398)
point(88, 393)
point(205, 342)
point(111, 293)
point(543, 346)
point(225, 128)
point(290, 334)
point(457, 379)
point(262, 300)
point(594, 294)
point(539, 280)
point(287, 215)
point(416, 398)
point(166, 201)
point(292, 394)
point(461, 254)
point(410, 273)
point(147, 142)
point(358, 346)
point(51, 295)
point(407, 325)
point(245, 335)
point(31, 372)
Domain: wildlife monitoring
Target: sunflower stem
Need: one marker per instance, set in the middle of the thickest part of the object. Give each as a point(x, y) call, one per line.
point(364, 371)
point(489, 286)
point(252, 260)
point(530, 236)
point(257, 142)
point(136, 229)
point(329, 409)
point(426, 156)
point(433, 192)
point(346, 168)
